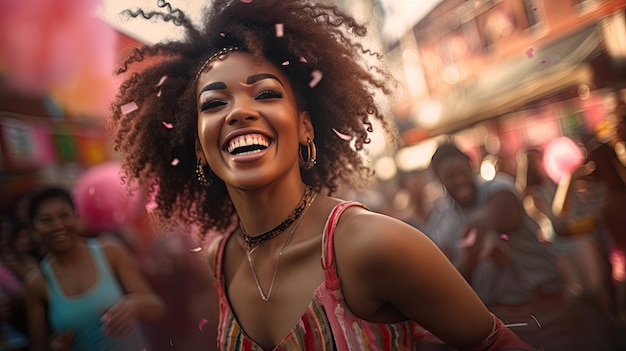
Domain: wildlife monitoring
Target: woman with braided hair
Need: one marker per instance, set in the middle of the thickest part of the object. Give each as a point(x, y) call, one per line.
point(248, 126)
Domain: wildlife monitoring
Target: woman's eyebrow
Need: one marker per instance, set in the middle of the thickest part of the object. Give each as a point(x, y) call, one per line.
point(213, 86)
point(257, 77)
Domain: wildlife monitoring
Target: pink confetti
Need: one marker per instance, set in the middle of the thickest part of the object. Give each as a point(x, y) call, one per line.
point(529, 52)
point(279, 30)
point(542, 61)
point(317, 76)
point(222, 35)
point(286, 63)
point(504, 237)
point(470, 238)
point(167, 125)
point(129, 107)
point(175, 162)
point(246, 1)
point(159, 93)
point(196, 249)
point(202, 322)
point(303, 60)
point(161, 81)
point(342, 136)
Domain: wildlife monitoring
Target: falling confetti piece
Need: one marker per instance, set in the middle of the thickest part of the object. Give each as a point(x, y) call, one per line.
point(513, 325)
point(161, 81)
point(542, 61)
point(303, 60)
point(317, 76)
point(129, 107)
point(175, 162)
point(529, 52)
point(504, 237)
point(167, 125)
point(536, 321)
point(469, 239)
point(342, 136)
point(246, 1)
point(279, 30)
point(159, 93)
point(222, 35)
point(201, 324)
point(286, 63)
point(196, 249)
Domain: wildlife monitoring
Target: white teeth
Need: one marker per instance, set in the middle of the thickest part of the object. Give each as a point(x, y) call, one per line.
point(247, 140)
point(59, 236)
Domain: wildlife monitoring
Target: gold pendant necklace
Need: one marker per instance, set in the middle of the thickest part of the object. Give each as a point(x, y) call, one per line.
point(250, 250)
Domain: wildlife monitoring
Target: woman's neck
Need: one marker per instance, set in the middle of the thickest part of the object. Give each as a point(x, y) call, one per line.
point(263, 209)
point(70, 256)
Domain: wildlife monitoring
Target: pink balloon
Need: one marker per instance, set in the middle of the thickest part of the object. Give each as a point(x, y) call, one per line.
point(103, 201)
point(561, 156)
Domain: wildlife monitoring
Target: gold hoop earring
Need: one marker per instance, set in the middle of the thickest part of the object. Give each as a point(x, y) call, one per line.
point(202, 179)
point(311, 153)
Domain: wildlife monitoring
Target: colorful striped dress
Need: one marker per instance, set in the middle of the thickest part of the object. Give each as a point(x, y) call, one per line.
point(327, 324)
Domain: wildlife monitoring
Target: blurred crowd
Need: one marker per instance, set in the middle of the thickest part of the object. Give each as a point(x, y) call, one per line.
point(36, 241)
point(545, 255)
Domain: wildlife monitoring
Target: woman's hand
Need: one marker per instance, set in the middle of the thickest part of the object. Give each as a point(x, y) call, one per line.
point(62, 341)
point(120, 318)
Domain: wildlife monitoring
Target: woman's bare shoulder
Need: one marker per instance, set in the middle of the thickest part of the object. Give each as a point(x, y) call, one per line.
point(35, 283)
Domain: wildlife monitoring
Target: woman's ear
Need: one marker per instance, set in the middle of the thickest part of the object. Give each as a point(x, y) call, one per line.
point(306, 127)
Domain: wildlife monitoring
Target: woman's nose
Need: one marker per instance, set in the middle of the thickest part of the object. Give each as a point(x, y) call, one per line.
point(242, 112)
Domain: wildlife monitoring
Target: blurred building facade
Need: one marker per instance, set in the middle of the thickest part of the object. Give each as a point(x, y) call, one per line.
point(499, 76)
point(41, 141)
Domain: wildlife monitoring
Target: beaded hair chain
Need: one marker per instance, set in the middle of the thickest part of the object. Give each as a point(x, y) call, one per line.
point(218, 55)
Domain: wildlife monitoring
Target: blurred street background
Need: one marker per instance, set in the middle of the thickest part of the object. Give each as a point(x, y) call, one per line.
point(498, 77)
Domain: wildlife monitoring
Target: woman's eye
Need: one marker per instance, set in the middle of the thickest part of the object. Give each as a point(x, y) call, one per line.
point(211, 104)
point(269, 94)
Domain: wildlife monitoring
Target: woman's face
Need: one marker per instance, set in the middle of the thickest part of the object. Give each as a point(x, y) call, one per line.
point(249, 126)
point(56, 223)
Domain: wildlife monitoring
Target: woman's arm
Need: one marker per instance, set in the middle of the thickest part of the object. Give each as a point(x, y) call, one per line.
point(139, 302)
point(36, 312)
point(383, 261)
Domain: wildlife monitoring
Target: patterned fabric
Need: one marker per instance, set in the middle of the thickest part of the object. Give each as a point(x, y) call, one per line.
point(327, 324)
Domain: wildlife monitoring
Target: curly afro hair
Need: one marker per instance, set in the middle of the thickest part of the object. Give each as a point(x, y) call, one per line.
point(162, 94)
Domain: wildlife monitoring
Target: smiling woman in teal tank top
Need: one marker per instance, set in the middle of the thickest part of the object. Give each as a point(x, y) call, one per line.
point(94, 293)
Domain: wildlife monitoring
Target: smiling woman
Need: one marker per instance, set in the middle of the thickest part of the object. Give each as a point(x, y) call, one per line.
point(270, 106)
point(94, 294)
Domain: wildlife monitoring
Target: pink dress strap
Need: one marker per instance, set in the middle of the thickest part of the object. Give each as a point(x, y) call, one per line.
point(219, 257)
point(328, 252)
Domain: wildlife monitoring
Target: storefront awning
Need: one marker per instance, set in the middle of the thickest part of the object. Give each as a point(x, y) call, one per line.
point(509, 85)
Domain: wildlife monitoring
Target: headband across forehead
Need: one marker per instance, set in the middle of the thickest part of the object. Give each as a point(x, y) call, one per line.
point(220, 55)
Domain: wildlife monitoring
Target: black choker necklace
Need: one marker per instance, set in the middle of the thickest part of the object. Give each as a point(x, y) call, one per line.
point(279, 229)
